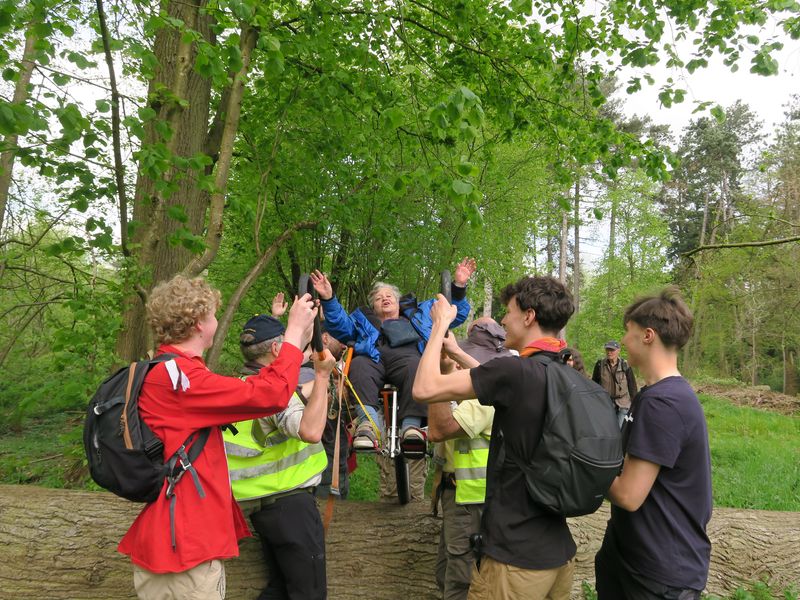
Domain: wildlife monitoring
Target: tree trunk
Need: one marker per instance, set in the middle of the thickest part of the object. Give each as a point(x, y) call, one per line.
point(156, 256)
point(10, 141)
point(576, 264)
point(61, 544)
point(487, 298)
point(233, 109)
point(562, 251)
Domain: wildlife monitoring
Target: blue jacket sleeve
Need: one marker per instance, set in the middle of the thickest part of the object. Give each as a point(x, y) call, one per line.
point(338, 322)
point(463, 306)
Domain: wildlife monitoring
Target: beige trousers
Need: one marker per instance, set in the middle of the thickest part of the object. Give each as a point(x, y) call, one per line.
point(206, 581)
point(499, 581)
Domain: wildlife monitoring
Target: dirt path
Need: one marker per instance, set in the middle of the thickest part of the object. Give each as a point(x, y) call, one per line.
point(756, 397)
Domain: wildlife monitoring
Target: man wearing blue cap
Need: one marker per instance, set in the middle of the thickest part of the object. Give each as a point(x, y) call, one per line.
point(616, 377)
point(275, 463)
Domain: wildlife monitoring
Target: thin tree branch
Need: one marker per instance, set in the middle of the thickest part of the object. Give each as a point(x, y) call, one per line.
point(119, 167)
point(762, 243)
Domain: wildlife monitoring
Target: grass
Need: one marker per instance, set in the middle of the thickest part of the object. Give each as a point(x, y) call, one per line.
point(364, 481)
point(758, 590)
point(755, 456)
point(49, 452)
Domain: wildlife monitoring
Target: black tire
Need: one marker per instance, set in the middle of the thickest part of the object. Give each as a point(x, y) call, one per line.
point(403, 479)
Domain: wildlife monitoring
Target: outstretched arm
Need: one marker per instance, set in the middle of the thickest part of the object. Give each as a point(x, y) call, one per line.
point(430, 385)
point(454, 351)
point(337, 321)
point(312, 423)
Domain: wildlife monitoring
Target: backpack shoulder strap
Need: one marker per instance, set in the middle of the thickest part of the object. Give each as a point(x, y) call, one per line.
point(133, 428)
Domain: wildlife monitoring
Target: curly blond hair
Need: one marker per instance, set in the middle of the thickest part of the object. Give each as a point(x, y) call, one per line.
point(175, 307)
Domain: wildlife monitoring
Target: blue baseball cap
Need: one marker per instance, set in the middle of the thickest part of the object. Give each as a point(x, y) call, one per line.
point(262, 327)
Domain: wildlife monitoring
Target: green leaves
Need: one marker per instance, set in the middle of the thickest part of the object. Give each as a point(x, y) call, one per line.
point(462, 188)
point(718, 113)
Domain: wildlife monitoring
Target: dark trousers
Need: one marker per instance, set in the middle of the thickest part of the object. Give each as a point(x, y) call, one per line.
point(293, 541)
point(398, 366)
point(615, 580)
point(455, 559)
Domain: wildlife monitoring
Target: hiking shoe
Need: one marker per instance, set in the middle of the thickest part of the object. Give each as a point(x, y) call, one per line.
point(414, 443)
point(364, 440)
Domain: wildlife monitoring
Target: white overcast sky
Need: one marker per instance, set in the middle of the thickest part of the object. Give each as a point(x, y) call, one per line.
point(767, 97)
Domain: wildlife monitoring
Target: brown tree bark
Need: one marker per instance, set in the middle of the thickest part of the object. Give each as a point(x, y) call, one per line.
point(20, 96)
point(190, 128)
point(61, 544)
point(576, 266)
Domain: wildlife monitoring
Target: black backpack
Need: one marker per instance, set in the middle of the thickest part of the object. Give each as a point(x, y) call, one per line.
point(124, 456)
point(580, 451)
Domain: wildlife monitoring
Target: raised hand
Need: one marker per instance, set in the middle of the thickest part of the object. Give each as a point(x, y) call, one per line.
point(320, 282)
point(450, 345)
point(301, 321)
point(279, 305)
point(325, 365)
point(442, 311)
point(464, 271)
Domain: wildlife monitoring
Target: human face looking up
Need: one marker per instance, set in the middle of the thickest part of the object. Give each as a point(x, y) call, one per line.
point(385, 304)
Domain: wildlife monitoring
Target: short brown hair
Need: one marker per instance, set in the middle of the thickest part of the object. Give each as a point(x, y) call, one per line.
point(548, 297)
point(665, 313)
point(175, 307)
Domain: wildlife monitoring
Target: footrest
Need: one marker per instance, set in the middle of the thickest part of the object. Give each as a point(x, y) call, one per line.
point(367, 446)
point(414, 448)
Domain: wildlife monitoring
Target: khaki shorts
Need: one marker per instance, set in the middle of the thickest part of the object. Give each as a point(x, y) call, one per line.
point(499, 581)
point(206, 581)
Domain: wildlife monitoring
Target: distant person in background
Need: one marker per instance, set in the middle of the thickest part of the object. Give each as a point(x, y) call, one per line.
point(656, 544)
point(616, 377)
point(575, 360)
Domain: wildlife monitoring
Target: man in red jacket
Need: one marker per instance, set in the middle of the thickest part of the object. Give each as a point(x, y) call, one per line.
point(177, 546)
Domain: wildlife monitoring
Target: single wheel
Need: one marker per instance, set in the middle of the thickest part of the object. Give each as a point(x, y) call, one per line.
point(403, 478)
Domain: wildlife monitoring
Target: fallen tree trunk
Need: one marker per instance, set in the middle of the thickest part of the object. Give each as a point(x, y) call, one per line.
point(61, 544)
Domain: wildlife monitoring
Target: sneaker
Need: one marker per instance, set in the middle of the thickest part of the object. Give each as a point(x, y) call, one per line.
point(364, 439)
point(414, 443)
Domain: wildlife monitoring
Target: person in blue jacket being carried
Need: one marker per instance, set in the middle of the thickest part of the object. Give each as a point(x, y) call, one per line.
point(389, 336)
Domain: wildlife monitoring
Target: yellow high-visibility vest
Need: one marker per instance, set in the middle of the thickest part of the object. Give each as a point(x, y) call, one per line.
point(470, 458)
point(262, 465)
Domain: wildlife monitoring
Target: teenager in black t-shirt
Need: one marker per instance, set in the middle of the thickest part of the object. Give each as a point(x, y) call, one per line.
point(526, 554)
point(656, 544)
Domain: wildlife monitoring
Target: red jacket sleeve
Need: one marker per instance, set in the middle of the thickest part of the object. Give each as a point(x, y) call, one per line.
point(213, 399)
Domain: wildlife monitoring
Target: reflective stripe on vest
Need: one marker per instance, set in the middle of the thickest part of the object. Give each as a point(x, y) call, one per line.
point(470, 458)
point(278, 465)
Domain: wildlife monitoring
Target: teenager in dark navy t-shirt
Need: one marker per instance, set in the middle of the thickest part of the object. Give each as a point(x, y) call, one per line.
point(656, 544)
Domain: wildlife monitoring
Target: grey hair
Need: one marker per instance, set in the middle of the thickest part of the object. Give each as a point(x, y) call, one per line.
point(382, 284)
point(254, 351)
